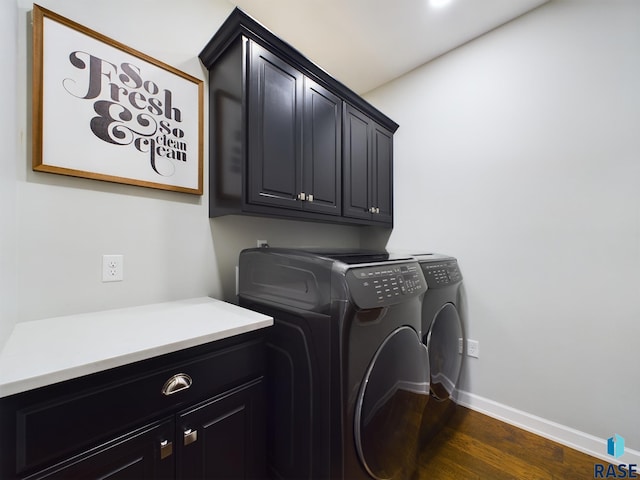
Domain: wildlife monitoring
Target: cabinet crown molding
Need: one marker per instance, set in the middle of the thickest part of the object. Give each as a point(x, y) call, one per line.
point(240, 24)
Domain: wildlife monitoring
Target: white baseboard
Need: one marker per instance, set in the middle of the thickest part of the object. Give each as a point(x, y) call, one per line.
point(583, 442)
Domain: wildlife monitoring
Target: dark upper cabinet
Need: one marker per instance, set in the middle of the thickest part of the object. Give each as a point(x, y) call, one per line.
point(322, 149)
point(275, 130)
point(276, 133)
point(368, 168)
point(383, 163)
point(284, 167)
point(357, 172)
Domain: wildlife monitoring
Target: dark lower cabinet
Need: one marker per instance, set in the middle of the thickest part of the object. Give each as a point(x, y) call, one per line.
point(219, 438)
point(126, 424)
point(136, 455)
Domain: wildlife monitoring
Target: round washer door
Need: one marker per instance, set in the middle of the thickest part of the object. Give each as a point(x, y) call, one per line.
point(445, 356)
point(390, 403)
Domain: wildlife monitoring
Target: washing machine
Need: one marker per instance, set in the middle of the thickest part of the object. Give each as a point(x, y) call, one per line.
point(348, 372)
point(443, 335)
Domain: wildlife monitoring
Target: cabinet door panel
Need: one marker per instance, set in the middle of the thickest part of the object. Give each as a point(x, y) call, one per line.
point(382, 196)
point(275, 120)
point(322, 157)
point(135, 456)
point(229, 437)
point(357, 173)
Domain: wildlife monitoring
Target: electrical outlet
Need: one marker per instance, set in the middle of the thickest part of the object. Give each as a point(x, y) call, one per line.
point(473, 348)
point(112, 268)
point(262, 243)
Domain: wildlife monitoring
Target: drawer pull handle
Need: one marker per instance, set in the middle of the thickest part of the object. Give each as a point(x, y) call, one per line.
point(190, 436)
point(177, 383)
point(166, 449)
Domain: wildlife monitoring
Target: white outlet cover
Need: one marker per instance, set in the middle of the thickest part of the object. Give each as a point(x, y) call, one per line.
point(112, 268)
point(473, 348)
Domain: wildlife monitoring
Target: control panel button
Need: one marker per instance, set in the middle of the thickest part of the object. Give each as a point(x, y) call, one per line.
point(385, 283)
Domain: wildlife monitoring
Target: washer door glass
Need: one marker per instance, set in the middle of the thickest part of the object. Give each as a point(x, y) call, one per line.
point(390, 403)
point(445, 356)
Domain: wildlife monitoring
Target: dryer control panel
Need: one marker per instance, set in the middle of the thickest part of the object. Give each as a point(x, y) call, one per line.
point(441, 274)
point(385, 284)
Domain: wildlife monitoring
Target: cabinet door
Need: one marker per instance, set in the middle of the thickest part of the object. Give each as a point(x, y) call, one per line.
point(368, 168)
point(274, 130)
point(356, 164)
point(322, 155)
point(224, 438)
point(382, 164)
point(146, 453)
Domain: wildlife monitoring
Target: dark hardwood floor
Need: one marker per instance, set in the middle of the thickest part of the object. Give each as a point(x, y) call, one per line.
point(477, 447)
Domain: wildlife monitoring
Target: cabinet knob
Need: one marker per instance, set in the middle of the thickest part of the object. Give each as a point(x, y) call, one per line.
point(372, 209)
point(166, 449)
point(190, 436)
point(310, 198)
point(177, 383)
point(302, 196)
point(377, 210)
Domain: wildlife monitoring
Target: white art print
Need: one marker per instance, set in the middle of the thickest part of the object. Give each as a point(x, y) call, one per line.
point(105, 111)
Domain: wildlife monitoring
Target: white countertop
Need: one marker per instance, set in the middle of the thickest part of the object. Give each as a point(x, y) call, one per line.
point(43, 352)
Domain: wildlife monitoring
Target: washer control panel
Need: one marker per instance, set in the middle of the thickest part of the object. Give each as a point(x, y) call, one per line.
point(441, 274)
point(385, 284)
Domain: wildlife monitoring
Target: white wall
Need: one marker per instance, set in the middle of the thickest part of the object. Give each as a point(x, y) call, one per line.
point(519, 154)
point(64, 225)
point(9, 138)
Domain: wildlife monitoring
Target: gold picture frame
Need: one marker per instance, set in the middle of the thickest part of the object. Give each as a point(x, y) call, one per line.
point(104, 111)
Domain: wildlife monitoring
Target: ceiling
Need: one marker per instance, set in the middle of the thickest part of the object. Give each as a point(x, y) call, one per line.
point(366, 43)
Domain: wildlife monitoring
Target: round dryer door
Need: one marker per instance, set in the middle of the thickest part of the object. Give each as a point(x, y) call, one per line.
point(445, 354)
point(390, 403)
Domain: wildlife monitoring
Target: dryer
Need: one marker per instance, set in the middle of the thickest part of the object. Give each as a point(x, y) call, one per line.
point(348, 373)
point(443, 334)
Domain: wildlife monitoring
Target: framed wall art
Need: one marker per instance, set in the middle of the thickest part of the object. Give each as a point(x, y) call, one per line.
point(104, 111)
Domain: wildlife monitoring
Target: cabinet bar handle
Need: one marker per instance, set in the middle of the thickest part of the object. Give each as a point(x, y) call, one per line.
point(177, 383)
point(166, 449)
point(190, 436)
